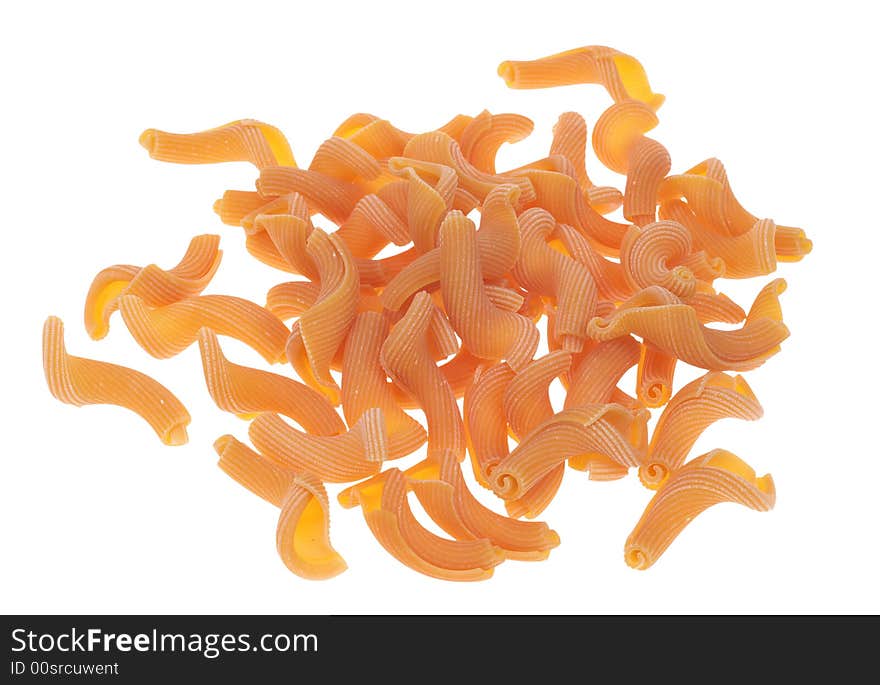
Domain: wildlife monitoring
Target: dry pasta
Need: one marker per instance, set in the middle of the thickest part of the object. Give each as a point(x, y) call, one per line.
point(80, 381)
point(152, 284)
point(404, 304)
point(303, 531)
point(718, 476)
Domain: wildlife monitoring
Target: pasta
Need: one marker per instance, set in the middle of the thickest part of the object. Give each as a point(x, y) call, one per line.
point(246, 391)
point(303, 531)
point(715, 477)
point(694, 408)
point(441, 490)
point(79, 381)
point(404, 304)
point(384, 505)
point(245, 140)
point(334, 459)
point(487, 331)
point(166, 331)
point(155, 286)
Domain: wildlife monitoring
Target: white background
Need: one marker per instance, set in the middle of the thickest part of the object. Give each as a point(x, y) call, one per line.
point(98, 516)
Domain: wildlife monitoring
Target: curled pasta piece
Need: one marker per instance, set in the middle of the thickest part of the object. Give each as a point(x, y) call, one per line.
point(560, 195)
point(292, 204)
point(622, 75)
point(716, 307)
point(373, 224)
point(485, 420)
point(291, 299)
point(694, 408)
point(608, 276)
point(365, 385)
point(606, 430)
point(753, 253)
point(344, 160)
point(334, 459)
point(442, 491)
point(79, 381)
point(570, 141)
point(324, 325)
point(236, 204)
point(548, 272)
point(618, 129)
point(487, 331)
point(596, 373)
point(526, 399)
point(486, 133)
point(655, 315)
point(245, 140)
point(715, 477)
point(385, 508)
point(303, 531)
point(526, 406)
point(708, 194)
point(407, 360)
point(331, 197)
point(243, 390)
point(654, 377)
point(440, 148)
point(649, 163)
point(376, 136)
point(154, 285)
point(166, 331)
point(648, 253)
point(499, 243)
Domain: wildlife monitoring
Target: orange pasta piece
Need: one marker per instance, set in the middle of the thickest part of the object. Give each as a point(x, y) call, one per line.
point(596, 373)
point(166, 331)
point(245, 140)
point(607, 431)
point(284, 237)
point(546, 271)
point(376, 136)
point(485, 419)
point(694, 408)
point(486, 133)
point(439, 148)
point(246, 391)
point(372, 224)
point(292, 204)
point(618, 130)
point(324, 325)
point(387, 512)
point(487, 331)
point(155, 286)
point(303, 531)
point(658, 317)
point(407, 361)
point(753, 253)
point(79, 381)
point(648, 253)
point(441, 490)
point(649, 163)
point(526, 406)
point(570, 141)
point(715, 477)
point(344, 160)
point(499, 243)
point(654, 377)
point(560, 195)
point(608, 276)
point(329, 196)
point(291, 299)
point(236, 204)
point(365, 385)
point(622, 75)
point(334, 459)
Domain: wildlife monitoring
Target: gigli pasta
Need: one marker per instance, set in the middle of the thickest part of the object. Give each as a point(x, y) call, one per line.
point(459, 286)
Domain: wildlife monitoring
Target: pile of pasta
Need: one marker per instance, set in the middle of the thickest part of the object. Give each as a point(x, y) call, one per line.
point(446, 321)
